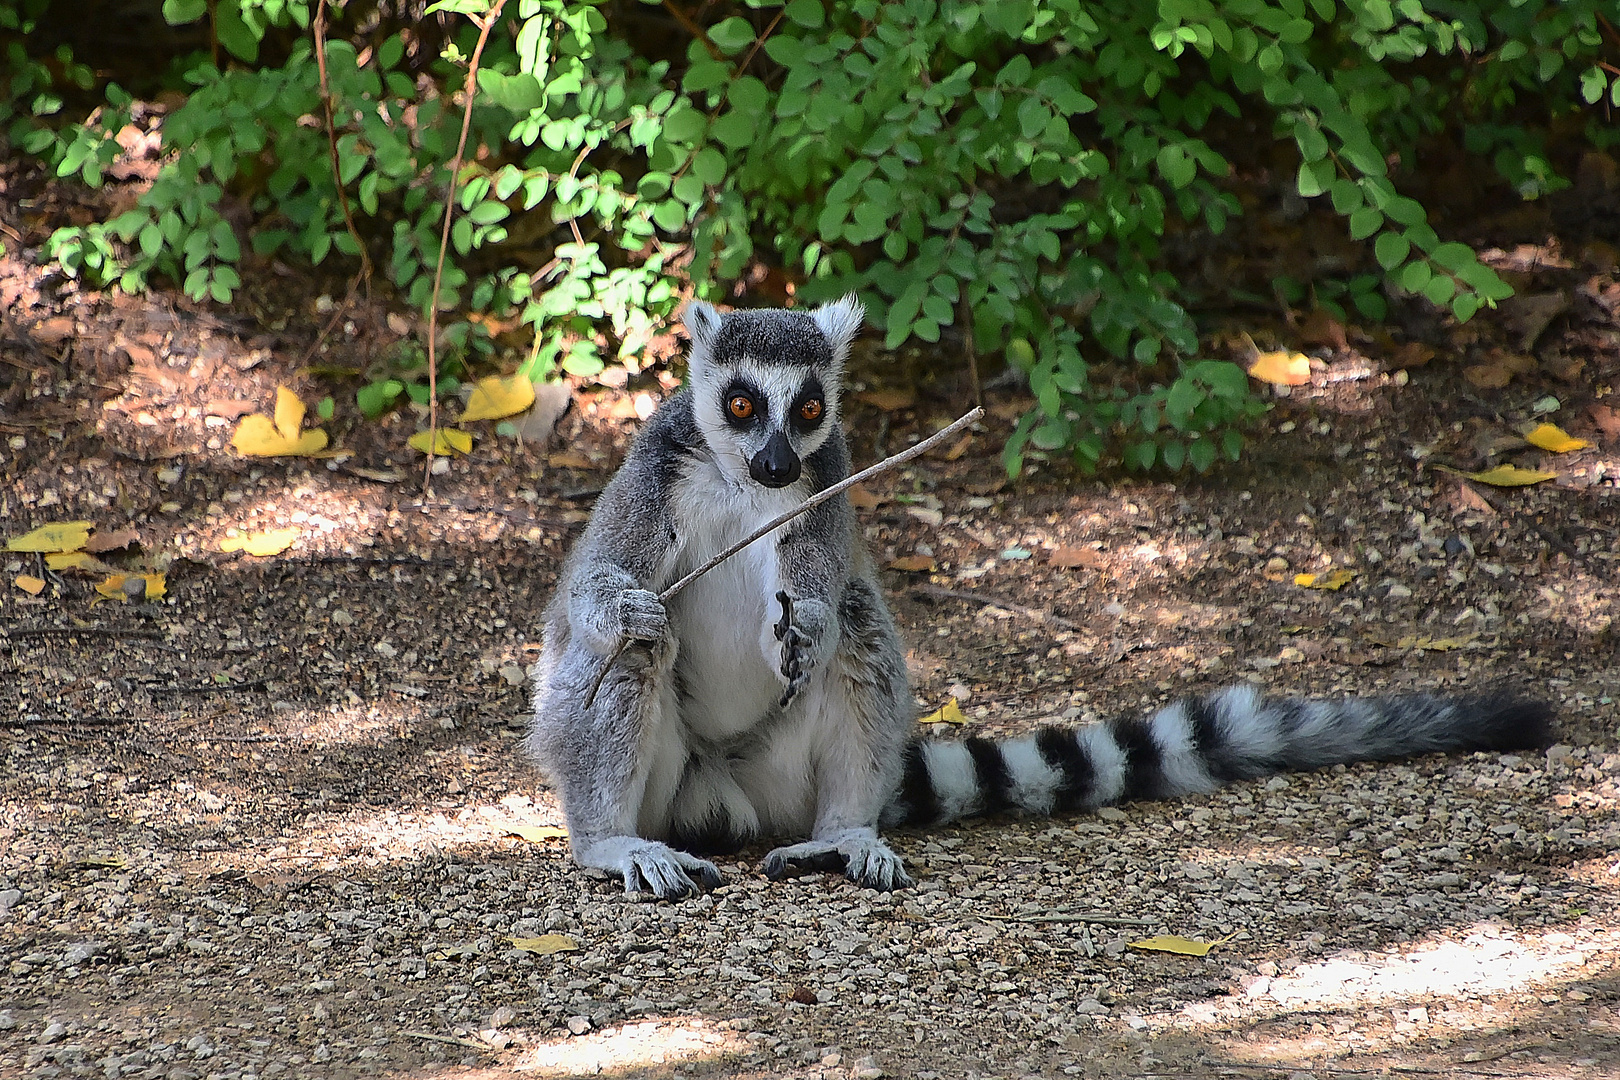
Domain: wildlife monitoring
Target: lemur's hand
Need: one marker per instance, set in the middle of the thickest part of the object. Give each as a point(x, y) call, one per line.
point(642, 616)
point(807, 634)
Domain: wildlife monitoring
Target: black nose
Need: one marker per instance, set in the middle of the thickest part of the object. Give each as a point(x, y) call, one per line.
point(776, 465)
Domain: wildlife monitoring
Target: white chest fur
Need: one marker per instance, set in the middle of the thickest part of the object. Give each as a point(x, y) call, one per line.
point(719, 618)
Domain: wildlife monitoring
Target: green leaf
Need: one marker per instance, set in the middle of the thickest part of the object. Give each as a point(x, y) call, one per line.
point(234, 33)
point(516, 93)
point(1364, 222)
point(1391, 249)
point(732, 35)
point(807, 13)
point(1346, 195)
point(735, 129)
point(1202, 452)
point(179, 12)
point(1453, 256)
point(1314, 177)
point(1176, 165)
point(1440, 289)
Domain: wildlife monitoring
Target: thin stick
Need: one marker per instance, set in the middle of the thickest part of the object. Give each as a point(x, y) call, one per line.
point(1095, 920)
point(449, 1041)
point(781, 519)
point(485, 24)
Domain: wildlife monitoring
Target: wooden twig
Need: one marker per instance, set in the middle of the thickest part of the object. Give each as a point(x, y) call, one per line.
point(332, 145)
point(996, 601)
point(485, 25)
point(449, 1040)
point(781, 519)
point(1094, 920)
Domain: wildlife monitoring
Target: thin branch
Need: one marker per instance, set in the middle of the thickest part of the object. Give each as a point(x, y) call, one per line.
point(485, 25)
point(996, 601)
point(781, 519)
point(332, 147)
point(694, 29)
point(1094, 920)
point(448, 1041)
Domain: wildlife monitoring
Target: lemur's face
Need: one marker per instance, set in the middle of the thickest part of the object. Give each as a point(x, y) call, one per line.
point(766, 385)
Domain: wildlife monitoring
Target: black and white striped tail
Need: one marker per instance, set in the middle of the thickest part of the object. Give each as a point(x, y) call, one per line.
point(1193, 746)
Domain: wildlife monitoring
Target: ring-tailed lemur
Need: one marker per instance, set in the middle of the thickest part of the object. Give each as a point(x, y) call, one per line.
point(770, 699)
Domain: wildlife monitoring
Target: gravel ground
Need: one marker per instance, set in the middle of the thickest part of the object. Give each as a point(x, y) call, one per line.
point(263, 827)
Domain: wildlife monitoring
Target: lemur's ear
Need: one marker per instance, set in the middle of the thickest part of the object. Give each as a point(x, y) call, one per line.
point(840, 320)
point(702, 322)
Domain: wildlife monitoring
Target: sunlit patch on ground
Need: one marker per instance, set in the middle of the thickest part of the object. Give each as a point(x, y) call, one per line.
point(631, 1046)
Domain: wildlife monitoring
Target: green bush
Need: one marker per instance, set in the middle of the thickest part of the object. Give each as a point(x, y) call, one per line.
point(1006, 168)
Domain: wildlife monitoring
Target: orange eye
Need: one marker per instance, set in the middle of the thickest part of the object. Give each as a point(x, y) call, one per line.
point(741, 406)
point(810, 410)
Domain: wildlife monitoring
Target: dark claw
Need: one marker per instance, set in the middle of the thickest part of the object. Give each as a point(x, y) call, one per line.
point(776, 867)
point(709, 879)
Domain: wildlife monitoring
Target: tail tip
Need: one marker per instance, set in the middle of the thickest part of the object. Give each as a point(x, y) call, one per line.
point(1515, 724)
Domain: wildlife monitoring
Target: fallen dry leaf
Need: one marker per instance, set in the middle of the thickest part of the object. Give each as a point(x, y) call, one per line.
point(494, 398)
point(545, 944)
point(116, 587)
point(1332, 581)
point(447, 440)
point(1170, 943)
point(260, 436)
point(29, 584)
point(913, 564)
point(570, 459)
point(113, 541)
point(1321, 328)
point(958, 448)
point(534, 834)
point(1498, 369)
point(1554, 438)
point(948, 713)
point(892, 400)
point(262, 544)
point(56, 536)
point(1607, 419)
point(1282, 368)
point(1504, 475)
point(230, 410)
point(1073, 556)
point(862, 499)
point(1412, 354)
point(75, 560)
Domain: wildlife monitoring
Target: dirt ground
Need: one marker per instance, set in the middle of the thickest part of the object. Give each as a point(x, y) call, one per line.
point(262, 826)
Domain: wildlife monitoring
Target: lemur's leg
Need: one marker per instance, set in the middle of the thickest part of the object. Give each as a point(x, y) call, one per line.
point(859, 710)
point(618, 764)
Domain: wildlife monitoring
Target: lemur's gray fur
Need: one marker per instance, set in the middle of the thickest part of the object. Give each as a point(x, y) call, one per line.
point(771, 699)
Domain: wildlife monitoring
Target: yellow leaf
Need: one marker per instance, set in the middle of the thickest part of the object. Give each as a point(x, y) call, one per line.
point(545, 944)
point(112, 587)
point(1172, 944)
point(494, 397)
point(1282, 368)
point(1332, 581)
point(258, 436)
point(75, 560)
point(29, 584)
point(949, 713)
point(269, 542)
point(1505, 475)
point(1554, 438)
point(534, 834)
point(57, 536)
point(913, 564)
point(449, 440)
point(289, 413)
